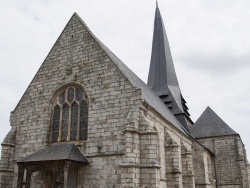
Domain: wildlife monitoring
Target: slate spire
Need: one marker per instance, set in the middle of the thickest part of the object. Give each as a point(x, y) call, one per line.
point(161, 72)
point(162, 77)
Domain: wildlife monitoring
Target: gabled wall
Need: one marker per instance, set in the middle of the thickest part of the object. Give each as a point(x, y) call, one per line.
point(76, 58)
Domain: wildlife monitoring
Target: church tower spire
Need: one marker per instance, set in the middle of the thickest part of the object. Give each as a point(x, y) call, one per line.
point(162, 71)
point(162, 77)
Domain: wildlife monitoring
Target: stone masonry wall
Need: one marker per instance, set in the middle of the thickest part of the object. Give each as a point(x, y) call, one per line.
point(76, 58)
point(248, 172)
point(7, 156)
point(163, 148)
point(231, 165)
point(101, 172)
point(203, 167)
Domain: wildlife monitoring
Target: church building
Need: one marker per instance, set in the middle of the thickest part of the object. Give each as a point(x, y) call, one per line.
point(87, 121)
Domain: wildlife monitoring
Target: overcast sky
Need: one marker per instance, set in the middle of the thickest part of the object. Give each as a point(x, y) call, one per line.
point(209, 40)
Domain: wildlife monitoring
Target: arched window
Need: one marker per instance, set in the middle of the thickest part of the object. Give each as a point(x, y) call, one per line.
point(70, 115)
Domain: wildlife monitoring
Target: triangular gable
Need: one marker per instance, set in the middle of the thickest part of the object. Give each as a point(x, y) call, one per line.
point(148, 95)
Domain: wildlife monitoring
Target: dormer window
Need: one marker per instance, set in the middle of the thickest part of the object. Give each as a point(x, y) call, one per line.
point(70, 115)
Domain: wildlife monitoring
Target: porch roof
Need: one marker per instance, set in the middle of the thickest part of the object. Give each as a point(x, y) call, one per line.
point(56, 152)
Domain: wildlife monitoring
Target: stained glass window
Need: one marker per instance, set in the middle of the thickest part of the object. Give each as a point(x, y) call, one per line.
point(62, 98)
point(79, 94)
point(71, 94)
point(83, 120)
point(65, 119)
point(74, 118)
point(56, 123)
point(70, 112)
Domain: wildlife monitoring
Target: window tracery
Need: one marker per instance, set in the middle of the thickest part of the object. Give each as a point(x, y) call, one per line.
point(70, 115)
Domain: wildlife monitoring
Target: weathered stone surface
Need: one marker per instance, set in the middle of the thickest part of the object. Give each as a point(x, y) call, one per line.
point(231, 165)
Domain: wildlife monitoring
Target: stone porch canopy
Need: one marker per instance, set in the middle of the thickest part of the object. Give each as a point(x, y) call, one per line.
point(54, 158)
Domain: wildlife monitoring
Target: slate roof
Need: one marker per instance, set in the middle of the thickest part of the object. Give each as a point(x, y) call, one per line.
point(162, 78)
point(56, 152)
point(162, 71)
point(209, 124)
point(148, 95)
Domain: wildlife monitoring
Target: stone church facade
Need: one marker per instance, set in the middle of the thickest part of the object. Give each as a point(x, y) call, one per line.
point(86, 120)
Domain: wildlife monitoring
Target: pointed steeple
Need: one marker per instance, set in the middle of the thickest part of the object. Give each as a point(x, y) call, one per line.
point(162, 77)
point(162, 71)
point(209, 124)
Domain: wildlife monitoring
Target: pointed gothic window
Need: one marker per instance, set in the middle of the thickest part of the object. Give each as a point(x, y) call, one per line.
point(70, 115)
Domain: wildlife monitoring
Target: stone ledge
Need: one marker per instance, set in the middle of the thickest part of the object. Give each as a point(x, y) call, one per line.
point(104, 154)
point(8, 144)
point(134, 130)
point(202, 183)
point(172, 145)
point(163, 179)
point(239, 159)
point(6, 170)
point(174, 171)
point(140, 165)
point(148, 133)
point(187, 153)
point(131, 130)
point(188, 175)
